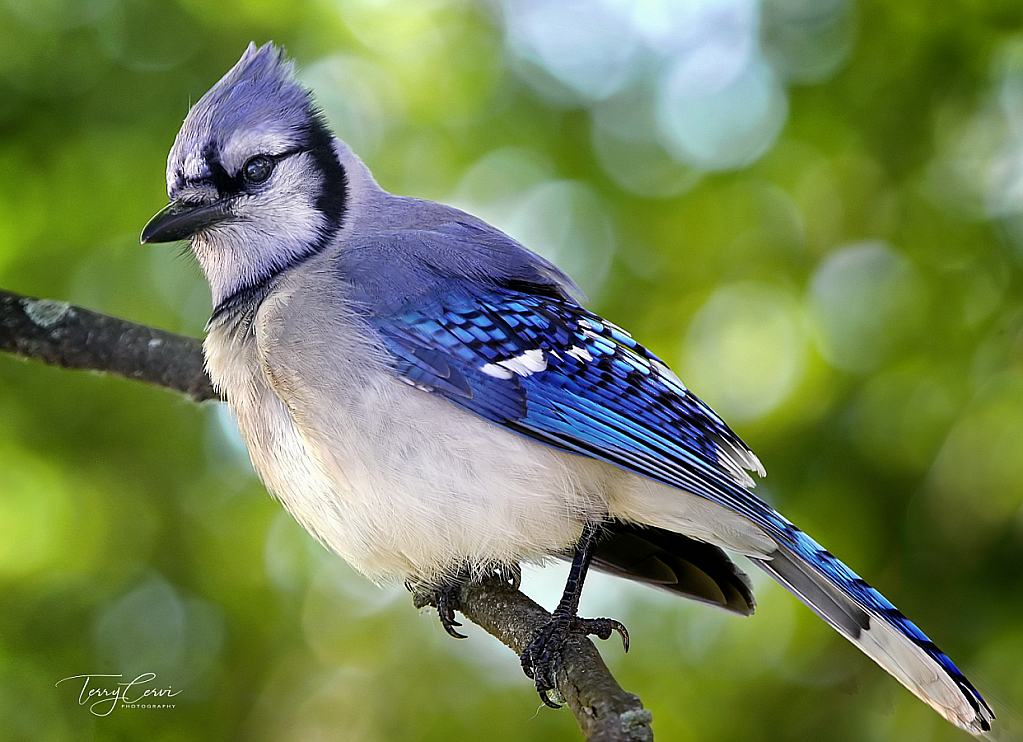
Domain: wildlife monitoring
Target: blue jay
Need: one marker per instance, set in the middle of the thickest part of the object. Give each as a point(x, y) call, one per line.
point(428, 399)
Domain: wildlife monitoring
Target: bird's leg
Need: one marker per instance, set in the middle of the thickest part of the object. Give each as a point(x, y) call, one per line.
point(541, 658)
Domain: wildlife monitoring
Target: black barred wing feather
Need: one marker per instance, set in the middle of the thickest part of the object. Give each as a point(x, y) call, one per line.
point(562, 375)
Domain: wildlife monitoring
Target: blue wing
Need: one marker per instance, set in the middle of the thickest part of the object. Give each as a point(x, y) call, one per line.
point(544, 367)
point(557, 373)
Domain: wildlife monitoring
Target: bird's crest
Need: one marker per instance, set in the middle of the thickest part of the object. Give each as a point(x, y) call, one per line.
point(258, 96)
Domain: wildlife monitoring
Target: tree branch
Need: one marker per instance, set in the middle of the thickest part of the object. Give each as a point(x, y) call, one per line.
point(63, 335)
point(602, 709)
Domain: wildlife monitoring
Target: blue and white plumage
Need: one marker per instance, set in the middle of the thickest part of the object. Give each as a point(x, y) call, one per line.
point(426, 396)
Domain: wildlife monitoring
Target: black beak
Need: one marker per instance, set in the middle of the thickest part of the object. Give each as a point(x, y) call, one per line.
point(180, 220)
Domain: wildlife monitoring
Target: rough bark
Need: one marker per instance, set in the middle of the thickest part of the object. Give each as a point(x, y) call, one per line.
point(60, 334)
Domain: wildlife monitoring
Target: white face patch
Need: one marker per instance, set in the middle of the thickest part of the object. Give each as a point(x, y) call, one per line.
point(271, 228)
point(194, 167)
point(524, 364)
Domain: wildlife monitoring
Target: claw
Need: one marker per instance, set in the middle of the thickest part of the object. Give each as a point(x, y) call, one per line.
point(511, 575)
point(446, 602)
point(542, 657)
point(545, 696)
point(445, 599)
point(604, 627)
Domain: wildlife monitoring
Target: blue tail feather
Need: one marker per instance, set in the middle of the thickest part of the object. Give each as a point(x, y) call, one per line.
point(870, 621)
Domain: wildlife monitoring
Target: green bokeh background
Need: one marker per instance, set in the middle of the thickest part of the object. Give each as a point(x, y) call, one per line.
point(849, 297)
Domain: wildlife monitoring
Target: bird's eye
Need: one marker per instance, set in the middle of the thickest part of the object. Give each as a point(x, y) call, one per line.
point(258, 169)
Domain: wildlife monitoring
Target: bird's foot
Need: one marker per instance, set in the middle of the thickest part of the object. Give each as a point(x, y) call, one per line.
point(444, 598)
point(542, 658)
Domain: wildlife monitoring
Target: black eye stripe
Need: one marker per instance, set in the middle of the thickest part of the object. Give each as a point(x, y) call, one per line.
point(230, 185)
point(278, 157)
